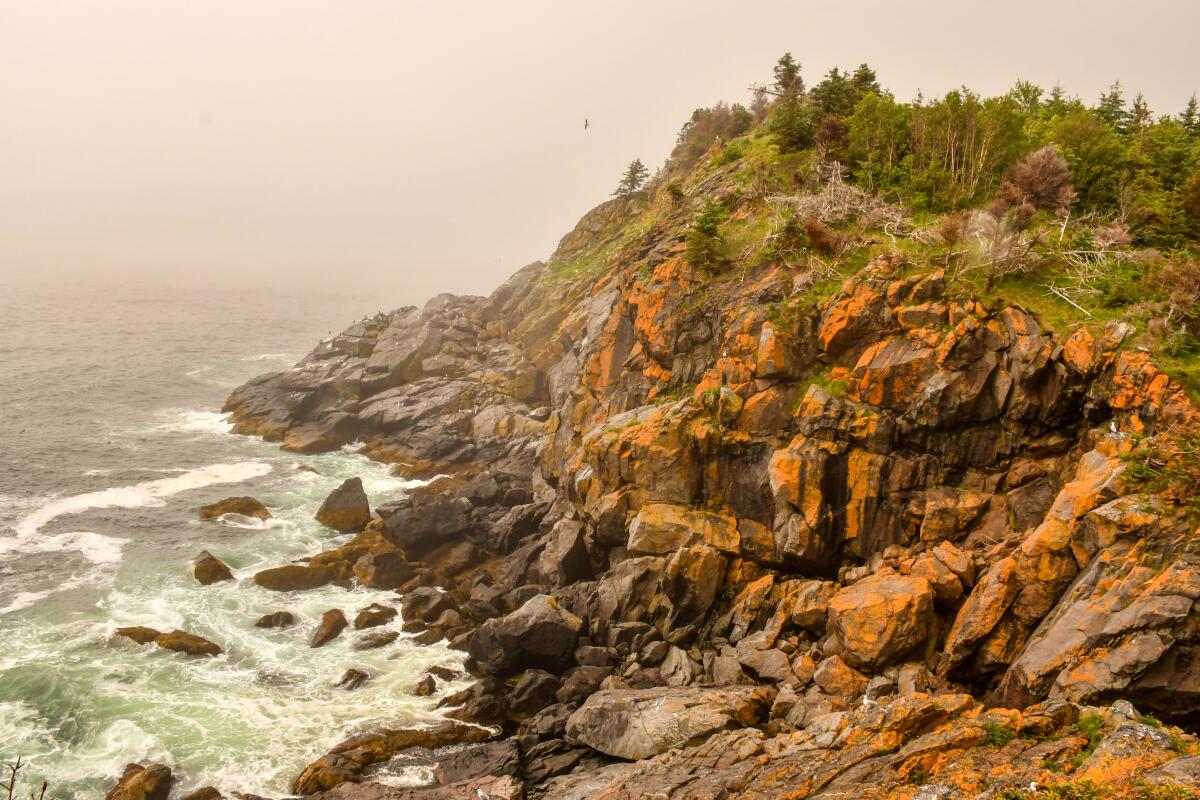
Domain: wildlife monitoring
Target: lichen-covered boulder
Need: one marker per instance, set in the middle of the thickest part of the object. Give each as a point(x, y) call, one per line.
point(881, 618)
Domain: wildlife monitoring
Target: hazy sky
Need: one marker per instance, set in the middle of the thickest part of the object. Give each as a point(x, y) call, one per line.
point(431, 146)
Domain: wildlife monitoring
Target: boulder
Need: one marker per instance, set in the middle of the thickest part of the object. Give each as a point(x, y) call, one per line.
point(662, 528)
point(205, 793)
point(277, 619)
point(427, 521)
point(373, 641)
point(209, 569)
point(881, 618)
point(151, 782)
point(352, 679)
point(837, 678)
point(425, 604)
point(184, 642)
point(333, 622)
point(492, 758)
point(346, 508)
point(532, 692)
point(540, 634)
point(347, 761)
point(139, 633)
point(383, 570)
point(373, 616)
point(691, 581)
point(294, 577)
point(246, 506)
point(640, 723)
point(425, 687)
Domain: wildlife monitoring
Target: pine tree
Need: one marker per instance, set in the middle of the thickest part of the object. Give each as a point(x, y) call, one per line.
point(633, 179)
point(1190, 118)
point(787, 76)
point(1112, 107)
point(1139, 115)
point(864, 80)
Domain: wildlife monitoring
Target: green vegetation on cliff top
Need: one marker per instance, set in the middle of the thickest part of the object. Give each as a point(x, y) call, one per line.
point(1082, 214)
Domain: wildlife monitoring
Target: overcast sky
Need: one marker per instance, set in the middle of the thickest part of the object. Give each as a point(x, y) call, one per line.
point(416, 147)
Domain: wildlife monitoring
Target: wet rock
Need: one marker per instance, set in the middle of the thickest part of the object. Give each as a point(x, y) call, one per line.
point(425, 604)
point(184, 642)
point(492, 758)
point(333, 622)
point(383, 570)
point(346, 509)
point(540, 634)
point(881, 618)
point(352, 679)
point(347, 761)
point(373, 616)
point(151, 782)
point(640, 723)
point(425, 687)
point(276, 619)
point(139, 633)
point(205, 793)
point(294, 577)
point(484, 702)
point(373, 641)
point(246, 506)
point(209, 569)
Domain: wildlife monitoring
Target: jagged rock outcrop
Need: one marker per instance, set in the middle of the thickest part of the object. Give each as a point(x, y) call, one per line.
point(346, 508)
point(762, 544)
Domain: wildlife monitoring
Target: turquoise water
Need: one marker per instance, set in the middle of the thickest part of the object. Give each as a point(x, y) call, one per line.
point(111, 441)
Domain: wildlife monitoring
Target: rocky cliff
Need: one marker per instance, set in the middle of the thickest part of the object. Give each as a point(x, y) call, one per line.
point(766, 531)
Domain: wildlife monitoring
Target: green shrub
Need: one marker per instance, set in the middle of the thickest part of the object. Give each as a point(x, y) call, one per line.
point(998, 735)
point(704, 240)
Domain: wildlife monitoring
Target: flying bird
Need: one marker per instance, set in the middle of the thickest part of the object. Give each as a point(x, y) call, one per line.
point(586, 124)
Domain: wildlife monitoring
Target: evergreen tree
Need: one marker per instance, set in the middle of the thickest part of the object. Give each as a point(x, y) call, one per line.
point(787, 76)
point(879, 133)
point(864, 80)
point(836, 94)
point(634, 178)
point(793, 122)
point(1139, 115)
point(1112, 107)
point(704, 238)
point(1190, 118)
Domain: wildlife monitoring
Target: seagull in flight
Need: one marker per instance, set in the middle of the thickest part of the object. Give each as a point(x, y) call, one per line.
point(586, 124)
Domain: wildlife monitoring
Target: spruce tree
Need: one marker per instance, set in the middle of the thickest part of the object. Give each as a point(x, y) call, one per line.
point(787, 76)
point(1112, 107)
point(1190, 118)
point(634, 178)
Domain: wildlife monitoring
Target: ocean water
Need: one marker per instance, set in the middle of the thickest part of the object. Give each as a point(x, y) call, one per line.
point(110, 438)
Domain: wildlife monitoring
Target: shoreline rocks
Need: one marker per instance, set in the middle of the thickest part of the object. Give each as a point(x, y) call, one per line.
point(208, 569)
point(246, 506)
point(346, 509)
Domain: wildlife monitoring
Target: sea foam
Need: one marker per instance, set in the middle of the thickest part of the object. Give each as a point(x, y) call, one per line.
point(106, 549)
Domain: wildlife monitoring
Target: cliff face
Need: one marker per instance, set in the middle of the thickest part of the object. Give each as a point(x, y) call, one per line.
point(763, 534)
